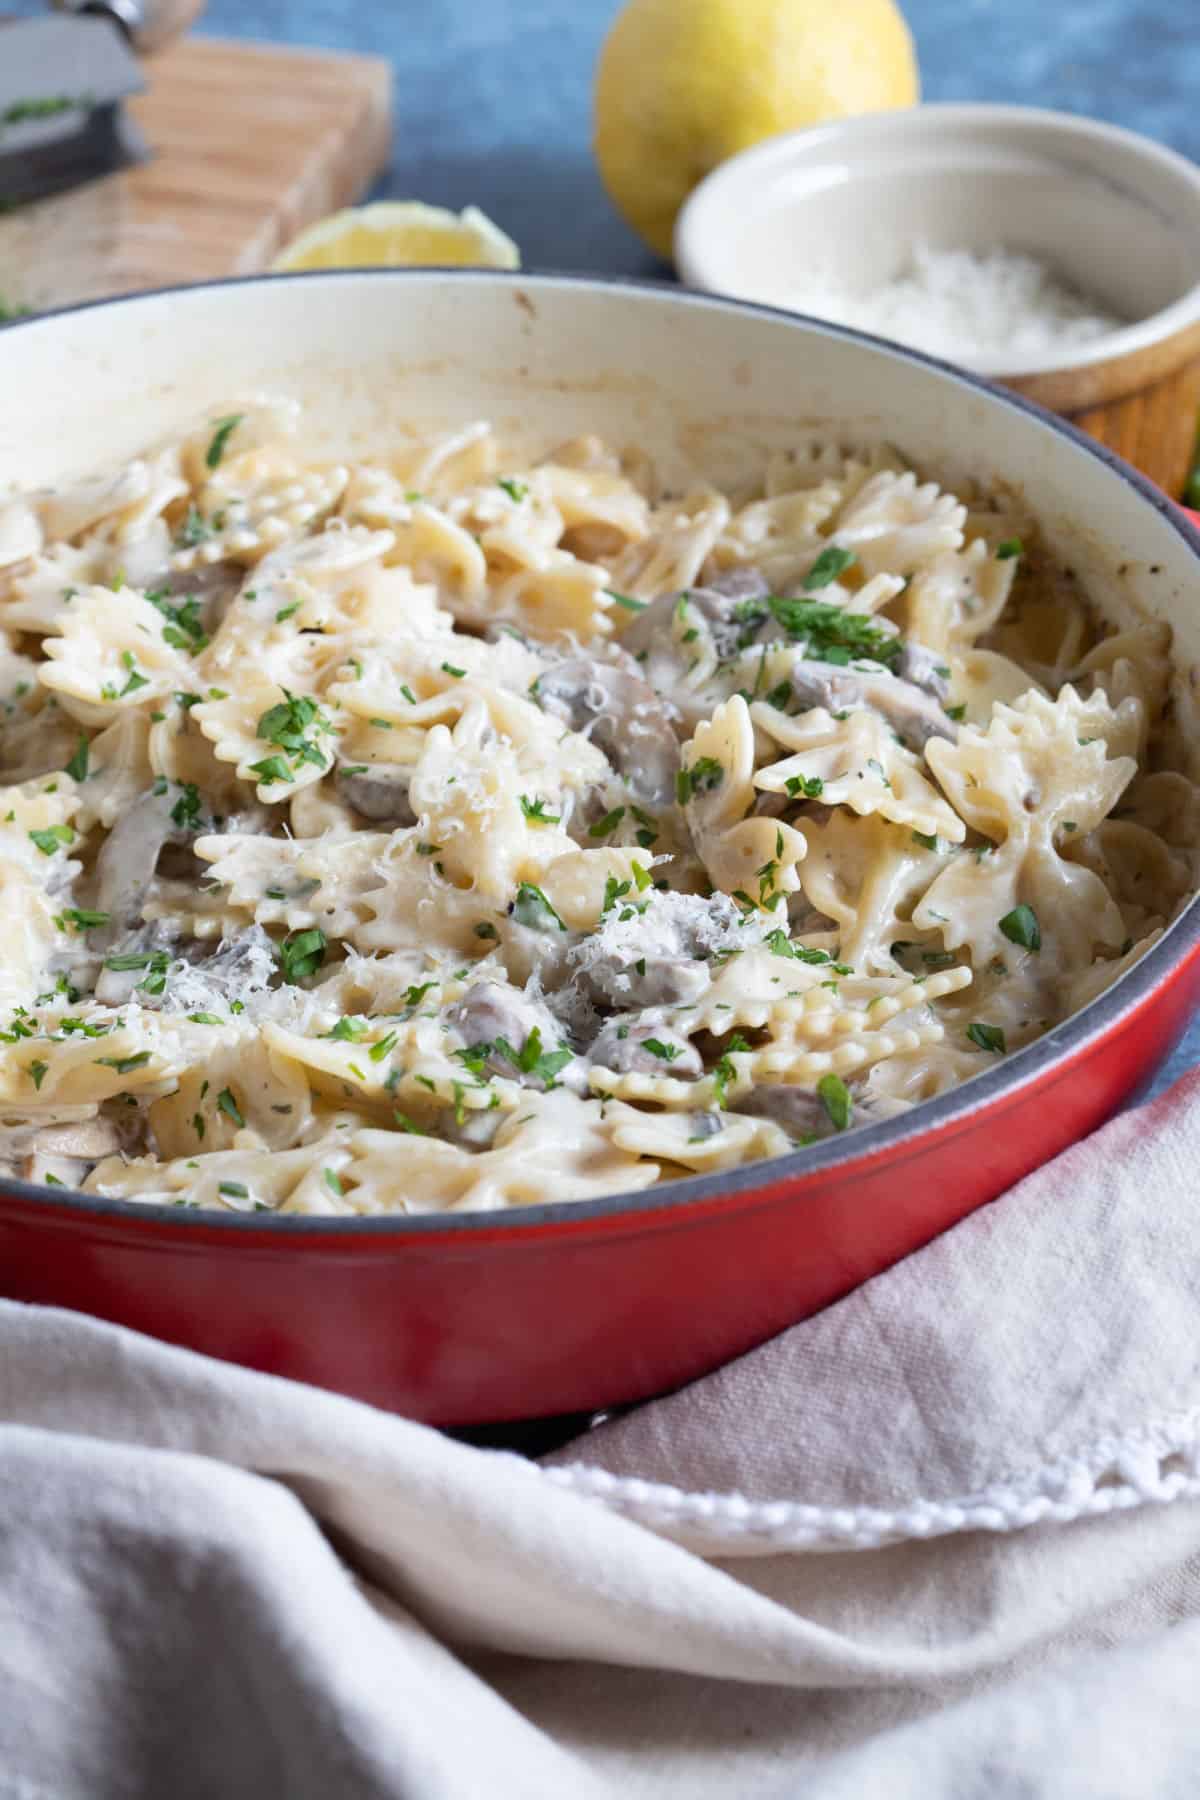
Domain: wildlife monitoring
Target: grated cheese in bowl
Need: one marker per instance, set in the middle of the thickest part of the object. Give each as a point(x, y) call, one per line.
point(965, 306)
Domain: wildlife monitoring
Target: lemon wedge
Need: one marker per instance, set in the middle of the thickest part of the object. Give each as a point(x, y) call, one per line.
point(399, 234)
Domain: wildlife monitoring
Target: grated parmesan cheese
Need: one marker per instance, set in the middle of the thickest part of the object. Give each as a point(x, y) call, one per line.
point(241, 968)
point(670, 924)
point(965, 306)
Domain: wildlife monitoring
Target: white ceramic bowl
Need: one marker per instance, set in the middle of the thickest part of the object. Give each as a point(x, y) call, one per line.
point(1114, 214)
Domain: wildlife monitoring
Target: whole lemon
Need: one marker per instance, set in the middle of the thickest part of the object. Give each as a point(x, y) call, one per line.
point(683, 84)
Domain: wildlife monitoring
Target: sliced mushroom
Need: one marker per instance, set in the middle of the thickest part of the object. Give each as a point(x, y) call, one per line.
point(739, 584)
point(620, 980)
point(474, 1130)
point(797, 1110)
point(379, 792)
point(801, 1112)
point(500, 1020)
point(238, 964)
point(134, 953)
point(822, 684)
point(660, 956)
point(623, 717)
point(240, 968)
point(641, 1044)
point(704, 1124)
point(129, 856)
point(529, 954)
point(734, 619)
point(66, 1153)
point(912, 712)
point(925, 669)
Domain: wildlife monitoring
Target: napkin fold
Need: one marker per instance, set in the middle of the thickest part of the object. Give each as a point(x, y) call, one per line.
point(941, 1540)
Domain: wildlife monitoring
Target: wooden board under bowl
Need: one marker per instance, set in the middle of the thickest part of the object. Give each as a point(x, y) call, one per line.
point(251, 143)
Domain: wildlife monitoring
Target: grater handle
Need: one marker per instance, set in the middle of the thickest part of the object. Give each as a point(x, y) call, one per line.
point(148, 24)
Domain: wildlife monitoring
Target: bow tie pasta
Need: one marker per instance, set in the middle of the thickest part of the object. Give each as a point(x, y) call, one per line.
point(468, 826)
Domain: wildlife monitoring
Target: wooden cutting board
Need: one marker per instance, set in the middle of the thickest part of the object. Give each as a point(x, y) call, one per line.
point(252, 142)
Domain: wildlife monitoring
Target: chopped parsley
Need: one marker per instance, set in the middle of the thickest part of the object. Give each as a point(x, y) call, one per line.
point(82, 919)
point(38, 1072)
point(1008, 549)
point(194, 530)
point(123, 1064)
point(724, 1071)
point(220, 437)
point(271, 768)
point(233, 1190)
point(229, 1106)
point(450, 669)
point(136, 680)
point(531, 1059)
point(531, 908)
point(704, 774)
point(347, 1031)
point(52, 838)
point(834, 1096)
point(665, 1052)
point(407, 1124)
point(79, 763)
point(302, 954)
point(615, 890)
point(987, 1037)
point(647, 836)
point(535, 811)
point(516, 490)
point(780, 944)
point(957, 713)
point(626, 600)
point(832, 562)
point(184, 629)
point(807, 787)
point(608, 824)
point(487, 931)
point(294, 725)
point(186, 811)
point(1020, 926)
point(832, 634)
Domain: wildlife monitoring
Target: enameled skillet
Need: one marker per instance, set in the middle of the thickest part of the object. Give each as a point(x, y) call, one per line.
point(552, 1309)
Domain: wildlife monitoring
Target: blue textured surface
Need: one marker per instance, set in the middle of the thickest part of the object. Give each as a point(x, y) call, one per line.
point(493, 102)
point(493, 97)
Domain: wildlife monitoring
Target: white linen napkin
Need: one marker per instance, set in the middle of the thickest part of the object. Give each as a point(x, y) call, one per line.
point(941, 1541)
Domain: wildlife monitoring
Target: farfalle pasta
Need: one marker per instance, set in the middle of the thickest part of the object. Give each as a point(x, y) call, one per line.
point(462, 829)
